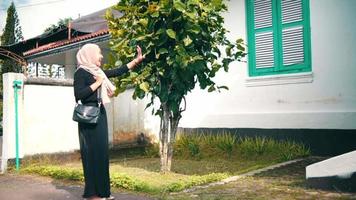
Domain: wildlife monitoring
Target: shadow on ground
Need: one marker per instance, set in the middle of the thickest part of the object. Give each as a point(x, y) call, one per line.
point(287, 182)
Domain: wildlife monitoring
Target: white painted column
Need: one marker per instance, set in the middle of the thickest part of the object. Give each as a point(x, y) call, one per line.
point(9, 131)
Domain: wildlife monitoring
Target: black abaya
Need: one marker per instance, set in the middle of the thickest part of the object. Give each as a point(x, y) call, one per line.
point(93, 139)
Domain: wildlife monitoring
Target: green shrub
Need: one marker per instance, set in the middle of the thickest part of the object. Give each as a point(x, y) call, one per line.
point(212, 146)
point(256, 146)
point(56, 172)
point(283, 150)
point(188, 146)
point(292, 150)
point(226, 143)
point(121, 180)
point(152, 150)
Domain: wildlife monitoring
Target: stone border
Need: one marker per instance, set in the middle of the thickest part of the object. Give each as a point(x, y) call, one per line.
point(234, 178)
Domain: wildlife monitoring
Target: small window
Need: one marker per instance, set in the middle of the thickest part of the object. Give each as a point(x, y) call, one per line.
point(278, 36)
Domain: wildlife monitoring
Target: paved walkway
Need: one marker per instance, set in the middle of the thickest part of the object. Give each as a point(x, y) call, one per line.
point(27, 187)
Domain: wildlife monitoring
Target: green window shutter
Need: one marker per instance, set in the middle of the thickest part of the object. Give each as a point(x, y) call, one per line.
point(278, 36)
point(263, 34)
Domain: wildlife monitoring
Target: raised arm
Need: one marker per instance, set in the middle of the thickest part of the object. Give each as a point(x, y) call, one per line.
point(116, 72)
point(122, 70)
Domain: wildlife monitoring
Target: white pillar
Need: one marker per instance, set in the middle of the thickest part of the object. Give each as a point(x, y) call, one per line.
point(9, 131)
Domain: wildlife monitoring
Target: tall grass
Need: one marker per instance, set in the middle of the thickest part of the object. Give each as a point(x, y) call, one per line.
point(262, 146)
point(227, 145)
point(187, 146)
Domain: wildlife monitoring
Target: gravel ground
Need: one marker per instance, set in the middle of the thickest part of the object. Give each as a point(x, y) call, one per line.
point(287, 182)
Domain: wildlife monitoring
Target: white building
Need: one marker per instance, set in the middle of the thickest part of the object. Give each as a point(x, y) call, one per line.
point(298, 81)
point(300, 73)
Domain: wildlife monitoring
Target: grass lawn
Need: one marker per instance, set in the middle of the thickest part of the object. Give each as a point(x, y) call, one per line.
point(140, 173)
point(198, 160)
point(287, 182)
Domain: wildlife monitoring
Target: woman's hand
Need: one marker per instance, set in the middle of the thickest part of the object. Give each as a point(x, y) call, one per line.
point(98, 81)
point(139, 58)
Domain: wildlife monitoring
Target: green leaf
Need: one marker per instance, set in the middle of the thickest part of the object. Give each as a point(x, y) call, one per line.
point(179, 6)
point(193, 2)
point(162, 51)
point(226, 63)
point(240, 40)
point(145, 86)
point(195, 29)
point(171, 33)
point(187, 41)
point(228, 50)
point(143, 37)
point(144, 22)
point(139, 93)
point(211, 88)
point(155, 14)
point(217, 3)
point(191, 15)
point(223, 87)
point(241, 48)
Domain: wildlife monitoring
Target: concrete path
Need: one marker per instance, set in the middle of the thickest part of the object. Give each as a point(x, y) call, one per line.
point(27, 187)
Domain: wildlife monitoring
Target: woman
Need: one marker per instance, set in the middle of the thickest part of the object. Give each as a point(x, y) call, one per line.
point(93, 139)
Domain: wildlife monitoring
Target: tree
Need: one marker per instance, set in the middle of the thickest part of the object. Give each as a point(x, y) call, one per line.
point(12, 34)
point(62, 23)
point(183, 41)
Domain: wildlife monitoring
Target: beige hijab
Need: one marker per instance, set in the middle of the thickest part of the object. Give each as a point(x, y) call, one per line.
point(87, 57)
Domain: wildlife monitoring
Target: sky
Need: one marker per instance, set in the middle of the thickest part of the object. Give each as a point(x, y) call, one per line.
point(37, 15)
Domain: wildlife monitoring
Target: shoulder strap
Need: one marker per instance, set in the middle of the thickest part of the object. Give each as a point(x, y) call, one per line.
point(99, 96)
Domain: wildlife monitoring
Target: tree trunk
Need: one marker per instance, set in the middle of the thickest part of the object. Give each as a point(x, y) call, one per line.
point(167, 137)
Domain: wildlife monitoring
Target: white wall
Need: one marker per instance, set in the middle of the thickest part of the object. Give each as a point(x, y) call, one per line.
point(45, 119)
point(130, 118)
point(48, 124)
point(326, 99)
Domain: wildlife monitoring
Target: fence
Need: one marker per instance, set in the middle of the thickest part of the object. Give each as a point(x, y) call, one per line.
point(45, 123)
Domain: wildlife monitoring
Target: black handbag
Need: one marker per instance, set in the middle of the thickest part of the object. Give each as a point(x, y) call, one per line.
point(87, 114)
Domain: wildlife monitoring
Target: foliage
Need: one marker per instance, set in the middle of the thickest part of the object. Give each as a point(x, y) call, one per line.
point(122, 180)
point(57, 172)
point(188, 147)
point(256, 146)
point(224, 142)
point(61, 24)
point(183, 42)
point(12, 34)
point(213, 146)
point(141, 174)
point(152, 150)
point(259, 146)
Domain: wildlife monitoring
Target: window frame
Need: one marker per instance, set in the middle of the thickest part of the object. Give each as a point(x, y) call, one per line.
point(277, 27)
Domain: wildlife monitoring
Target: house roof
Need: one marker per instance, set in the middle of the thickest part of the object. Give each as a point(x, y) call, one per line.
point(83, 29)
point(61, 43)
